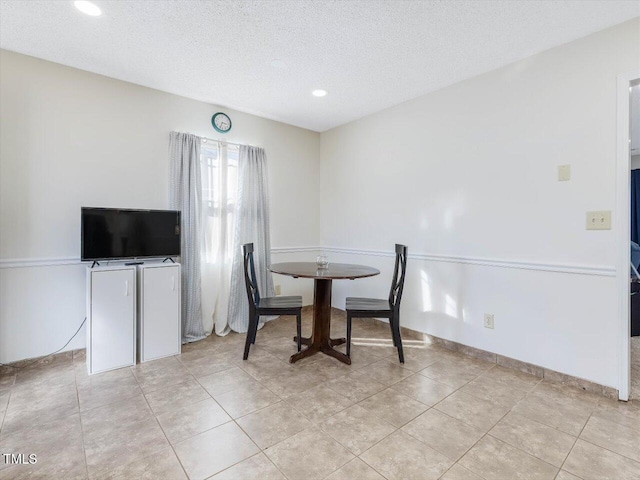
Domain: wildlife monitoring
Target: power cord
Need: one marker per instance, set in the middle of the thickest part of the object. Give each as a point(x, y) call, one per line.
point(41, 358)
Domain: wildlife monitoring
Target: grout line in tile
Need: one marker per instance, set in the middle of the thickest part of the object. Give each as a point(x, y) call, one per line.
point(457, 462)
point(461, 466)
point(462, 421)
point(539, 423)
point(577, 437)
point(262, 450)
point(248, 458)
point(165, 436)
point(209, 429)
point(372, 446)
point(446, 414)
point(608, 450)
point(568, 455)
point(439, 381)
point(272, 463)
point(488, 433)
point(84, 450)
point(230, 416)
point(561, 470)
point(526, 453)
point(6, 409)
point(479, 440)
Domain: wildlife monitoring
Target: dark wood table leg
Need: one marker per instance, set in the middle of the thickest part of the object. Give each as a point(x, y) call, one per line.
point(306, 352)
point(303, 340)
point(320, 340)
point(327, 350)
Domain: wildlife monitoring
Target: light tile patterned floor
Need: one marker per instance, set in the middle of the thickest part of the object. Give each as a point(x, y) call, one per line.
point(209, 414)
point(635, 368)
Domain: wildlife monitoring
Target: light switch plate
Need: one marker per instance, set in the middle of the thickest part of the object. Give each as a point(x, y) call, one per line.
point(600, 220)
point(564, 173)
point(488, 320)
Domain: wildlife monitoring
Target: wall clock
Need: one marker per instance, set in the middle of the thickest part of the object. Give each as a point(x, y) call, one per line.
point(221, 122)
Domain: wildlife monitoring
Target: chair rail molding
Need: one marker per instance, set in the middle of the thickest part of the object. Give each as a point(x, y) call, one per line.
point(39, 262)
point(64, 261)
point(597, 270)
point(277, 250)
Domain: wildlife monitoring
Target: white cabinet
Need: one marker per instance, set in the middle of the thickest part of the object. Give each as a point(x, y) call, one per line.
point(159, 309)
point(111, 318)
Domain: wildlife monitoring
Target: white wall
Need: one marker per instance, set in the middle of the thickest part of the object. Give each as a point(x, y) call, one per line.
point(467, 177)
point(634, 111)
point(70, 138)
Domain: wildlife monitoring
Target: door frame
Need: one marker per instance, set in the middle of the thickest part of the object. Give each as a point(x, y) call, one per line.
point(623, 228)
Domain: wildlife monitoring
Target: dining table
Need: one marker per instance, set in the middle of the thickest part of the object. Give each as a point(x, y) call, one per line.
point(323, 276)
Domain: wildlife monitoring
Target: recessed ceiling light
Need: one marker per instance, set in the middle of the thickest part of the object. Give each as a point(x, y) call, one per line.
point(87, 7)
point(319, 93)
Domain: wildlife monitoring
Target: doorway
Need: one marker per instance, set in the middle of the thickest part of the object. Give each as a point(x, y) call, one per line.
point(634, 162)
point(625, 135)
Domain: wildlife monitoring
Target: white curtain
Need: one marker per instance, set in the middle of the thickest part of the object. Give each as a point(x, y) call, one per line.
point(185, 194)
point(219, 164)
point(251, 226)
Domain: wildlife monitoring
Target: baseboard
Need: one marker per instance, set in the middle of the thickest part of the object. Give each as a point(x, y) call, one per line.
point(507, 362)
point(514, 364)
point(62, 358)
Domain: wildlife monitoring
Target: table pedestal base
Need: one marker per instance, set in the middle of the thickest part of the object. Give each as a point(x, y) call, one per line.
point(320, 340)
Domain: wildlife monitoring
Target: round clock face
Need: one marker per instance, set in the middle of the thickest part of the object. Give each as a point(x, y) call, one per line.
point(221, 122)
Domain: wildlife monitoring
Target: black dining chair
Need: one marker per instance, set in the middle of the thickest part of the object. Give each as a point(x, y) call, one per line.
point(267, 305)
point(380, 308)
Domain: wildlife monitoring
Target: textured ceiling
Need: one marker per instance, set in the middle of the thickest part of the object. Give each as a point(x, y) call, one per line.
point(368, 54)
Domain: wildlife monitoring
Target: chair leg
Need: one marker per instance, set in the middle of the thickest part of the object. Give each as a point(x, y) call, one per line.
point(348, 335)
point(396, 322)
point(248, 341)
point(255, 329)
point(393, 332)
point(299, 329)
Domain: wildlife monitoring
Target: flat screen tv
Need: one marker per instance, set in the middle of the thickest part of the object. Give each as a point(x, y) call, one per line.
point(115, 233)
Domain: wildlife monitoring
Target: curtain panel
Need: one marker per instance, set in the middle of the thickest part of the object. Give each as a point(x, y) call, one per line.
point(185, 194)
point(219, 204)
point(252, 224)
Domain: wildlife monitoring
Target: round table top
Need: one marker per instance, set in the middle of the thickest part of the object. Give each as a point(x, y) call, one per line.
point(333, 271)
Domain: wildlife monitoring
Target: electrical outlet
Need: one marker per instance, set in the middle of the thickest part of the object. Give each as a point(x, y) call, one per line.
point(278, 289)
point(488, 320)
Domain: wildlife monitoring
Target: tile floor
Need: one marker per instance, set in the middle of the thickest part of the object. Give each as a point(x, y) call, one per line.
point(635, 368)
point(208, 414)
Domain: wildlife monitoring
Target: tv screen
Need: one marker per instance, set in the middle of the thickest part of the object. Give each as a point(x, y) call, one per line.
point(109, 233)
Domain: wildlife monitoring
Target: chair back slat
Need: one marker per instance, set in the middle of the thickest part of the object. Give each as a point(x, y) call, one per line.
point(397, 283)
point(251, 283)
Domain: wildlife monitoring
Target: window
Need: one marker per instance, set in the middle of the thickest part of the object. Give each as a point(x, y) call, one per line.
point(219, 163)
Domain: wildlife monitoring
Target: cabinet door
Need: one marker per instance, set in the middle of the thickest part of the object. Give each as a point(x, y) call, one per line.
point(160, 312)
point(112, 319)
